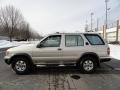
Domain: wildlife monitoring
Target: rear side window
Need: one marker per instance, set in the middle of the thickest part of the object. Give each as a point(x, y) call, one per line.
point(73, 40)
point(94, 39)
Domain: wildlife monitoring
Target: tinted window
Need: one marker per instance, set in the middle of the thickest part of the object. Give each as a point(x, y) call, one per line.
point(52, 41)
point(73, 40)
point(94, 39)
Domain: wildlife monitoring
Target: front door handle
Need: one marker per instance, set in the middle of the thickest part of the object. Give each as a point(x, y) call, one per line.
point(59, 49)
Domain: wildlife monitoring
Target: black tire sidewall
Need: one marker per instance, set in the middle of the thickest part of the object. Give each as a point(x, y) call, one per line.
point(82, 62)
point(15, 60)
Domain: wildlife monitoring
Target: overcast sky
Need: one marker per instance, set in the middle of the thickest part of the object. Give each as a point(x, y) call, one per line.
point(49, 16)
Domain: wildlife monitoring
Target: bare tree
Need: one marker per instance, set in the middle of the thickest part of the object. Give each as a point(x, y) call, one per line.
point(10, 18)
point(14, 26)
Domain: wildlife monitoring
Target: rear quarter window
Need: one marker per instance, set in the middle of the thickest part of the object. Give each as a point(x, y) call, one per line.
point(94, 39)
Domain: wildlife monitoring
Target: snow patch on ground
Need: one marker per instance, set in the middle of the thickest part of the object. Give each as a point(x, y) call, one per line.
point(6, 44)
point(115, 51)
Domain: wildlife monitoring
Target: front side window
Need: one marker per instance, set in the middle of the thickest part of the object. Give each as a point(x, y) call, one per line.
point(52, 41)
point(94, 39)
point(73, 40)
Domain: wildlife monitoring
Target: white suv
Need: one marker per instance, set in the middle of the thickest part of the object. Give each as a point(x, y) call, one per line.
point(85, 50)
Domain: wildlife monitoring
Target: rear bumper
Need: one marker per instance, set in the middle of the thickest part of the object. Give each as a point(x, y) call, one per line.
point(105, 59)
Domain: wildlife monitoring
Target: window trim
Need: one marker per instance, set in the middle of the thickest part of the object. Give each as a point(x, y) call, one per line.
point(51, 36)
point(103, 43)
point(77, 41)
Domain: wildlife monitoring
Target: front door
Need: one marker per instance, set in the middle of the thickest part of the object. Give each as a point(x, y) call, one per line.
point(49, 51)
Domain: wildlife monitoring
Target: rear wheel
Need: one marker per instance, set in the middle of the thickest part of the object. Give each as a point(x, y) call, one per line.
point(87, 64)
point(21, 65)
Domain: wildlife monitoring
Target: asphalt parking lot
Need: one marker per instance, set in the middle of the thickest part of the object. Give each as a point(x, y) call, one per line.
point(106, 77)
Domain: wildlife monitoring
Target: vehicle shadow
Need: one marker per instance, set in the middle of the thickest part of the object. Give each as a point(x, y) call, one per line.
point(59, 70)
point(70, 70)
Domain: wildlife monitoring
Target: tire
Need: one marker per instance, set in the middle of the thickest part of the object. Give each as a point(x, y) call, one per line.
point(21, 65)
point(87, 64)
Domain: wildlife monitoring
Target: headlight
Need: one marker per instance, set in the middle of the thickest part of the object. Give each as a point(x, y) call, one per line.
point(7, 53)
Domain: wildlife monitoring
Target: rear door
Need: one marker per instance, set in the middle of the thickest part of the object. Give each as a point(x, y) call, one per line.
point(73, 47)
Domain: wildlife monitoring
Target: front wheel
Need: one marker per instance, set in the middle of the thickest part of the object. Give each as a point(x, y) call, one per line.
point(87, 64)
point(20, 65)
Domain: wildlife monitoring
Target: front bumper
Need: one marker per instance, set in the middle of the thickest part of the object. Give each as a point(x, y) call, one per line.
point(7, 60)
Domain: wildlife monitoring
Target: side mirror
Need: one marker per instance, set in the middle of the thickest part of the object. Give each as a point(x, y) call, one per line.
point(39, 45)
point(86, 43)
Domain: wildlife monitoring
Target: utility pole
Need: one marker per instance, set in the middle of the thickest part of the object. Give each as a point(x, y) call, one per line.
point(106, 26)
point(106, 4)
point(86, 27)
point(92, 21)
point(97, 24)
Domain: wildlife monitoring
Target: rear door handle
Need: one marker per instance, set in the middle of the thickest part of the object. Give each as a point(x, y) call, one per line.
point(59, 49)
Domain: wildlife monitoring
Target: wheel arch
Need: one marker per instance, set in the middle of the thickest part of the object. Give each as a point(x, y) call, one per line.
point(90, 54)
point(21, 55)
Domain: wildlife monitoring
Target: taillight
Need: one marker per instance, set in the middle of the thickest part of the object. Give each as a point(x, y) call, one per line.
point(108, 51)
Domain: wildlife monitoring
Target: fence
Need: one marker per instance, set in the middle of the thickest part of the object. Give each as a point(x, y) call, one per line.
point(111, 34)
